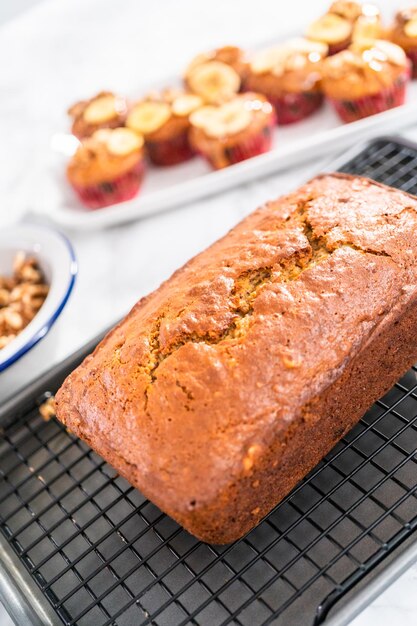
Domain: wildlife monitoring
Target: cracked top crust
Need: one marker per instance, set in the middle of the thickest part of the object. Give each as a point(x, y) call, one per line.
point(194, 384)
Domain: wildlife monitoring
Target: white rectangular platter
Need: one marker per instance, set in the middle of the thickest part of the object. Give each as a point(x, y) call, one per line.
point(167, 187)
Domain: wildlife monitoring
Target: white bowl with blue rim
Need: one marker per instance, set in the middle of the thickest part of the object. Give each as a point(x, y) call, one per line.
point(32, 350)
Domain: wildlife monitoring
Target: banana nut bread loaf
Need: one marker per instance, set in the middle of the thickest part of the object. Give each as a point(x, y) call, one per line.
point(220, 390)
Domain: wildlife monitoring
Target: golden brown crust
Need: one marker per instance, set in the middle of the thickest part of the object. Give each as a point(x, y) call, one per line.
point(364, 69)
point(227, 384)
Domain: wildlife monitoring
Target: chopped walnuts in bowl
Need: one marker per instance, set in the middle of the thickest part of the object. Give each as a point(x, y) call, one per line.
point(38, 271)
point(21, 296)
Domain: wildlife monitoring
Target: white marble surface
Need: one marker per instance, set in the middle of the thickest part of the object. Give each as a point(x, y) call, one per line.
point(59, 51)
point(397, 605)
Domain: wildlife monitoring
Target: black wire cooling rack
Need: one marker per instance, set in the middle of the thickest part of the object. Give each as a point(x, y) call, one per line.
point(99, 553)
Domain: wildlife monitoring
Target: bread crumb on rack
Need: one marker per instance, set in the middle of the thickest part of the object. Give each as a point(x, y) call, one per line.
point(47, 409)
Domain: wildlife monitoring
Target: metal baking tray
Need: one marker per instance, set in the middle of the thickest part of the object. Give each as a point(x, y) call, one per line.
point(79, 545)
point(168, 187)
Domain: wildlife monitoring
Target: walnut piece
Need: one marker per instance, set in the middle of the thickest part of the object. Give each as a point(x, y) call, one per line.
point(21, 297)
point(47, 409)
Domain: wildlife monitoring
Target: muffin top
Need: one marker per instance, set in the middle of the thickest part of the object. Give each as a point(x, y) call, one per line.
point(216, 75)
point(352, 10)
point(104, 156)
point(105, 110)
point(363, 69)
point(367, 27)
point(163, 115)
point(293, 66)
point(404, 31)
point(230, 55)
point(346, 21)
point(232, 119)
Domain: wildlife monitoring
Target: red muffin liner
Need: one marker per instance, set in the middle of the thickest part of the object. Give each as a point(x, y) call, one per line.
point(170, 151)
point(293, 107)
point(412, 55)
point(103, 194)
point(388, 98)
point(252, 145)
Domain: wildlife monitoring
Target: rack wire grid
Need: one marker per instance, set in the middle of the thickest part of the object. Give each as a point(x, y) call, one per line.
point(102, 554)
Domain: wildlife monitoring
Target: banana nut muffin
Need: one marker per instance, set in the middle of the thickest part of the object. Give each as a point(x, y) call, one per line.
point(289, 76)
point(163, 119)
point(368, 78)
point(107, 168)
point(234, 131)
point(344, 22)
point(404, 34)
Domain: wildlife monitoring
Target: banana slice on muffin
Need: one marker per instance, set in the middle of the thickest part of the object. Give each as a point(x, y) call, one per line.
point(214, 81)
point(233, 131)
point(105, 110)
